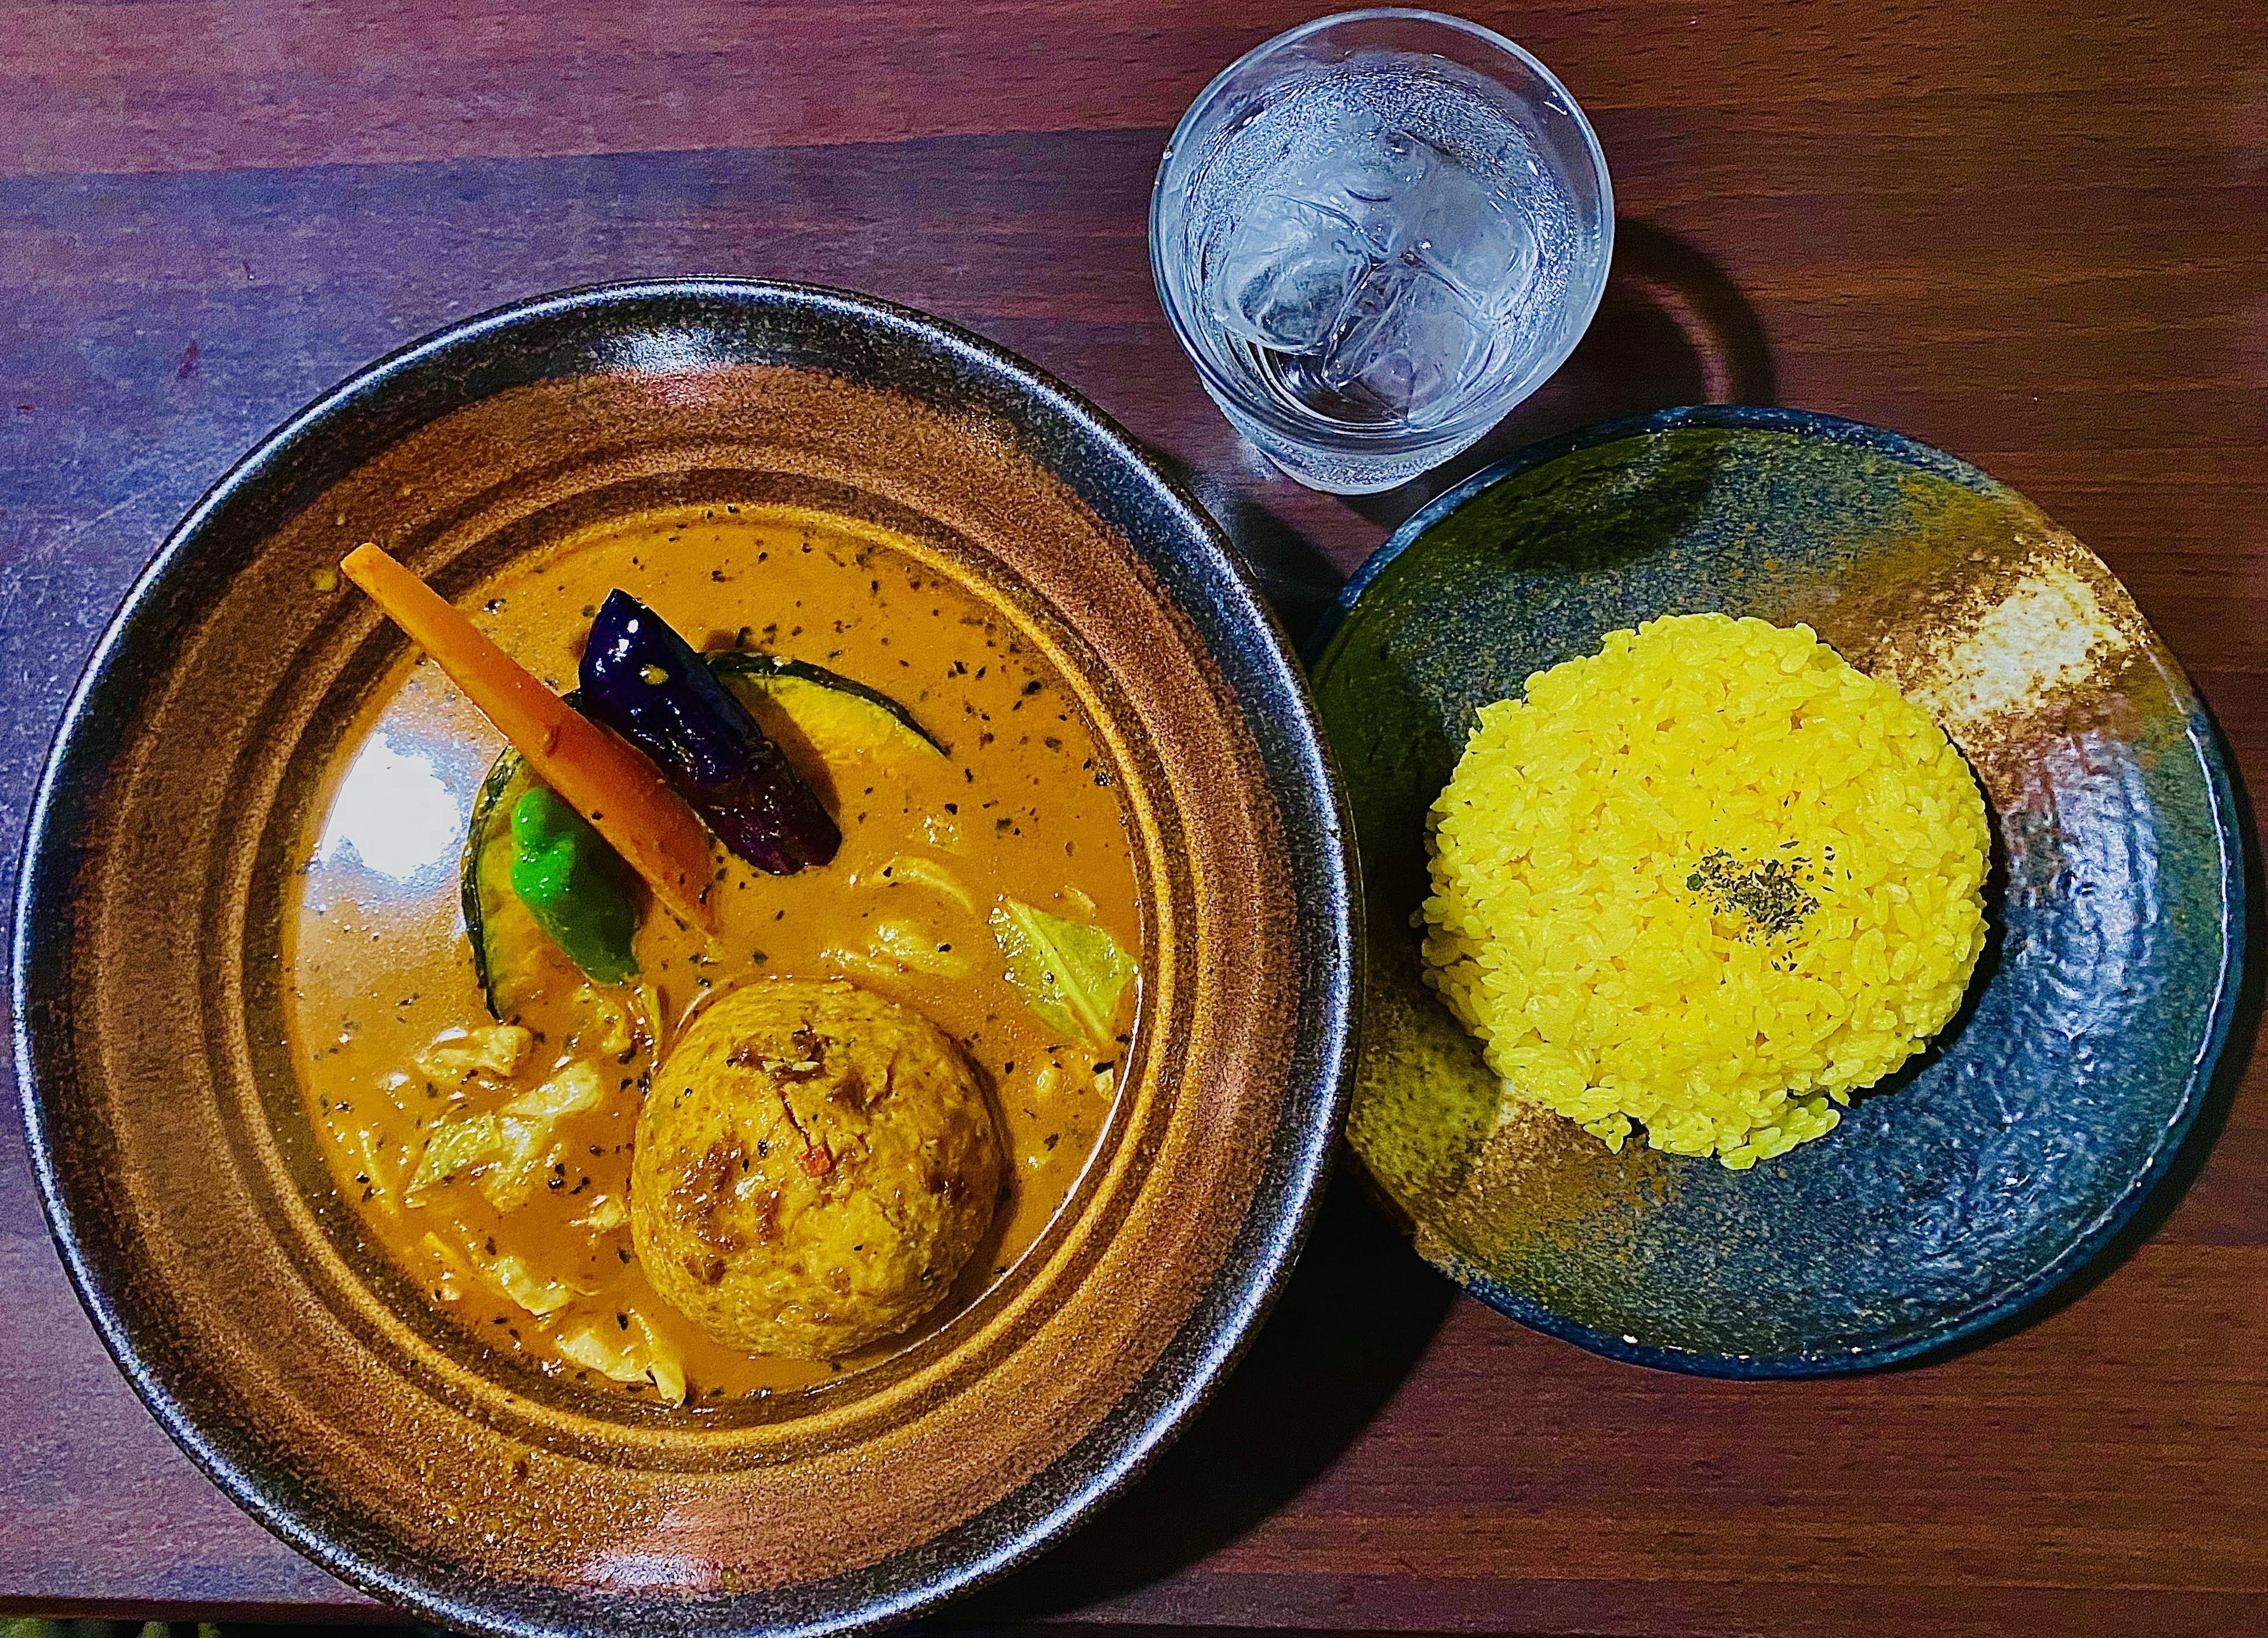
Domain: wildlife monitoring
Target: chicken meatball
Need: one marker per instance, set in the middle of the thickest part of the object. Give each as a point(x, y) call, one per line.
point(813, 1166)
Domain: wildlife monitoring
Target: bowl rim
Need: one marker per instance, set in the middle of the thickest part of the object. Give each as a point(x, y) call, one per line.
point(1301, 775)
point(2205, 740)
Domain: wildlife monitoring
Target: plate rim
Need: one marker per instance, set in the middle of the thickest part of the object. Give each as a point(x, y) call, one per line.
point(1196, 1357)
point(2201, 733)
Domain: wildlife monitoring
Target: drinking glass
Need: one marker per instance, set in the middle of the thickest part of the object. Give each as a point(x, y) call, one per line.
point(1375, 235)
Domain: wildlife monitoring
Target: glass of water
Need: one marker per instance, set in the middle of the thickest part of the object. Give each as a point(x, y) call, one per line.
point(1375, 235)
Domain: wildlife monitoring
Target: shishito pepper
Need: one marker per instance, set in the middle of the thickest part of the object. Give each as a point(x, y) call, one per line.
point(576, 887)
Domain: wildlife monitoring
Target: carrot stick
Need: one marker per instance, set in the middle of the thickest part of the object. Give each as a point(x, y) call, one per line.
point(613, 786)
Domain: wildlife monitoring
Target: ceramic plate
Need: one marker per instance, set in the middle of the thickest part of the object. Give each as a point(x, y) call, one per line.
point(181, 1172)
point(1995, 1164)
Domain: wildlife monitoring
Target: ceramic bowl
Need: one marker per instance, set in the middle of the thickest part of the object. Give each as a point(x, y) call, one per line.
point(180, 1173)
point(1994, 1165)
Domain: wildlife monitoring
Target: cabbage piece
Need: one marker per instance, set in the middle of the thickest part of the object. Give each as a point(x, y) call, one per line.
point(590, 1348)
point(636, 1355)
point(521, 1152)
point(913, 870)
point(455, 1272)
point(455, 1145)
point(665, 1370)
point(1073, 977)
point(907, 945)
point(607, 1214)
point(573, 1090)
point(456, 1055)
point(510, 1275)
point(514, 1147)
point(611, 1016)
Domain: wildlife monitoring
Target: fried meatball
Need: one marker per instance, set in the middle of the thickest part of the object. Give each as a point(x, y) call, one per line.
point(813, 1166)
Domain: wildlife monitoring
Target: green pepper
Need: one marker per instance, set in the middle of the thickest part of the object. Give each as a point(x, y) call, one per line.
point(576, 887)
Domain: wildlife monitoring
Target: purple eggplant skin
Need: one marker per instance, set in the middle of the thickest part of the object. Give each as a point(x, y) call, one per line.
point(646, 683)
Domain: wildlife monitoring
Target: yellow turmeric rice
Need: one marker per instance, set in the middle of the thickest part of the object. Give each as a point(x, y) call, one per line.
point(1709, 880)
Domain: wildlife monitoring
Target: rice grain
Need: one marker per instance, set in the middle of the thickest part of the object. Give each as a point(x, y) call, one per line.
point(1710, 881)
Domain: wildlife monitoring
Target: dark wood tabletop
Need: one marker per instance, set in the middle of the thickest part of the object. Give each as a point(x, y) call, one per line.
point(2034, 233)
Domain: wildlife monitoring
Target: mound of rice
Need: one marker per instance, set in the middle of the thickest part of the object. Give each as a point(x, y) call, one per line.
point(1710, 879)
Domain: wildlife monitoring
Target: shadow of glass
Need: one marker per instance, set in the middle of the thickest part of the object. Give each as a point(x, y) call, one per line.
point(1672, 329)
point(1356, 1313)
point(1298, 581)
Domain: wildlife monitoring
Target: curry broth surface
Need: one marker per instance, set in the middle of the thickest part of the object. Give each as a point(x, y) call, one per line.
point(1025, 806)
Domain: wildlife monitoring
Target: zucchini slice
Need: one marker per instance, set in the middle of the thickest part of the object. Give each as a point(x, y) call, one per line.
point(512, 956)
point(816, 712)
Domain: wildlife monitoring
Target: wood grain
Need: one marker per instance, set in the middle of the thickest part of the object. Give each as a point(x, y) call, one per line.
point(2035, 235)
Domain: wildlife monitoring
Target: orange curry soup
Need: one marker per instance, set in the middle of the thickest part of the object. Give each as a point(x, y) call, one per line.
point(1023, 806)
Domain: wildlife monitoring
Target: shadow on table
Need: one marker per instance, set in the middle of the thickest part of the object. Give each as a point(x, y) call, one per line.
point(1672, 329)
point(1360, 1309)
point(1352, 1320)
point(1298, 581)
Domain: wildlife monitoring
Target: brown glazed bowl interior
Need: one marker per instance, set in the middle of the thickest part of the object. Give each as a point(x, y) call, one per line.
point(178, 1170)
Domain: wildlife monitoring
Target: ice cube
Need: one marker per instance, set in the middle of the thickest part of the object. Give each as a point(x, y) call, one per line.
point(1411, 344)
point(1280, 275)
point(1370, 160)
point(1459, 231)
point(1351, 162)
point(1348, 154)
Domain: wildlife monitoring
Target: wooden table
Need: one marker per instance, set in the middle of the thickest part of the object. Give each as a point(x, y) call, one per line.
point(2032, 234)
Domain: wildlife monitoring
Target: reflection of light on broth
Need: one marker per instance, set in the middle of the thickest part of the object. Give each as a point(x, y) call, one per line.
point(393, 813)
point(379, 967)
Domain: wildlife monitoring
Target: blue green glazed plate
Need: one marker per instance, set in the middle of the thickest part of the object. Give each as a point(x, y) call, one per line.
point(1995, 1164)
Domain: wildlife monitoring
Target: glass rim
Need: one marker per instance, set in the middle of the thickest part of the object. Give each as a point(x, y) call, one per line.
point(1486, 411)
